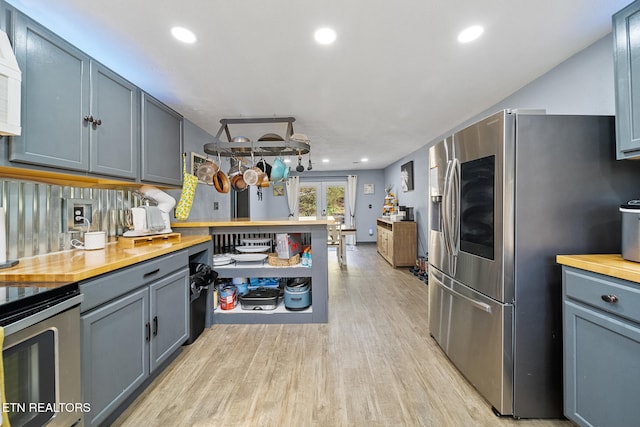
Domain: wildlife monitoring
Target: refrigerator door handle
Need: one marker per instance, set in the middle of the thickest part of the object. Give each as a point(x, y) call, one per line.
point(455, 209)
point(479, 305)
point(446, 200)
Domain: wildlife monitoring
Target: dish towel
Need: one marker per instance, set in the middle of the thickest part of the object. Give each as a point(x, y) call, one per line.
point(189, 183)
point(3, 399)
point(154, 218)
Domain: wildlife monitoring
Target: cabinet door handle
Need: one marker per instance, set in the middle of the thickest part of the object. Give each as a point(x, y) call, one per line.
point(155, 326)
point(612, 299)
point(151, 273)
point(90, 119)
point(147, 328)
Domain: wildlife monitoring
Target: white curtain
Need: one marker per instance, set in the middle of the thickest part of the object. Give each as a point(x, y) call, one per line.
point(293, 190)
point(352, 190)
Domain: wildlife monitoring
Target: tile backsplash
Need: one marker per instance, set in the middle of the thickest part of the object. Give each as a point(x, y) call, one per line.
point(35, 217)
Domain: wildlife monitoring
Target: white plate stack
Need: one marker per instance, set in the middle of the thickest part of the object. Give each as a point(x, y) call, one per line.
point(222, 259)
point(252, 250)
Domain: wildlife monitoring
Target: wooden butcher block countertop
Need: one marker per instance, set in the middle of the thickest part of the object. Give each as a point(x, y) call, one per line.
point(76, 265)
point(242, 222)
point(608, 264)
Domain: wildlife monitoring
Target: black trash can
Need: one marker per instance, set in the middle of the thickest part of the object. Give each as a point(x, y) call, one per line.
point(201, 277)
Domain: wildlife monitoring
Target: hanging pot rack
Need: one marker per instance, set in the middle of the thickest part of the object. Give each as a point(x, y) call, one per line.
point(289, 145)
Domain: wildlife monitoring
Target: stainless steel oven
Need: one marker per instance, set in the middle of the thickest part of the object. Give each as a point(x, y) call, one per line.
point(41, 354)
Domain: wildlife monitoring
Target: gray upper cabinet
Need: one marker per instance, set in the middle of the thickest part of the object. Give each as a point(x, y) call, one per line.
point(626, 36)
point(161, 143)
point(55, 97)
point(76, 114)
point(114, 124)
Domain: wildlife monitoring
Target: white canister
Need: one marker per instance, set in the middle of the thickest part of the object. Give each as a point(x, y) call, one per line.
point(92, 240)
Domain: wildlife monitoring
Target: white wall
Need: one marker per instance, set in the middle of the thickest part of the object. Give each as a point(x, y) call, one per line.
point(583, 84)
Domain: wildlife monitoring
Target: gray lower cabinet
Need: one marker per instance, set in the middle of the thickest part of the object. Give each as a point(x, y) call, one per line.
point(76, 114)
point(162, 135)
point(132, 321)
point(115, 353)
point(601, 349)
point(626, 35)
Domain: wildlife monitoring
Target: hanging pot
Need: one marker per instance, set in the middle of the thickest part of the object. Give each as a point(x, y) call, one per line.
point(263, 181)
point(271, 137)
point(238, 183)
point(221, 182)
point(251, 175)
point(237, 169)
point(206, 171)
point(299, 168)
point(242, 139)
point(278, 170)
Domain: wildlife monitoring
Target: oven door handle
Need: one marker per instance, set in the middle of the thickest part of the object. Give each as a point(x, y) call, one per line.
point(43, 315)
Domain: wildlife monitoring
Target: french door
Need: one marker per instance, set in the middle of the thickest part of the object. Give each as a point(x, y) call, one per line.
point(323, 199)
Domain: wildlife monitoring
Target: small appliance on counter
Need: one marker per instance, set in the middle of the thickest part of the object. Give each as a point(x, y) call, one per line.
point(630, 230)
point(297, 294)
point(150, 220)
point(408, 213)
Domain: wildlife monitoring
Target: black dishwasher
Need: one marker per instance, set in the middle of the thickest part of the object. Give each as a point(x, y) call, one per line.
point(201, 277)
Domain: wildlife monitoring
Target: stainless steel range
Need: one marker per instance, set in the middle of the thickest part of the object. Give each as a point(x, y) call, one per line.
point(41, 353)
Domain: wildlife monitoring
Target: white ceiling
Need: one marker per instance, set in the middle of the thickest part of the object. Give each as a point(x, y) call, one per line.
point(395, 78)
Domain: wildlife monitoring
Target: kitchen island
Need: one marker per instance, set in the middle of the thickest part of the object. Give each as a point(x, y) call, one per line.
point(229, 234)
point(601, 335)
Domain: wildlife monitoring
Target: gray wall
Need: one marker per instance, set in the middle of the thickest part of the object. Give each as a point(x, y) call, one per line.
point(206, 195)
point(583, 84)
point(276, 207)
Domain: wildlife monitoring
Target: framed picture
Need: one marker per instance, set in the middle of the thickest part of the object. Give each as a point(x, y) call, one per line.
point(196, 161)
point(368, 189)
point(278, 189)
point(406, 176)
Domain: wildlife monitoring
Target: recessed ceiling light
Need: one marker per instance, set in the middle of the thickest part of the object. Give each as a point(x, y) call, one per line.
point(325, 36)
point(184, 35)
point(325, 160)
point(470, 34)
point(364, 159)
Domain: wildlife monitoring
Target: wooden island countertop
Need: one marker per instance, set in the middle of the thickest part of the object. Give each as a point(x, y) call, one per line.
point(244, 222)
point(612, 265)
point(75, 265)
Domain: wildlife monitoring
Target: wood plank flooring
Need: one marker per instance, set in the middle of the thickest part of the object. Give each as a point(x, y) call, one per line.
point(373, 364)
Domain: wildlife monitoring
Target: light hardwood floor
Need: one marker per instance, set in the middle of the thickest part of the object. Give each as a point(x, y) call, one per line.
point(373, 364)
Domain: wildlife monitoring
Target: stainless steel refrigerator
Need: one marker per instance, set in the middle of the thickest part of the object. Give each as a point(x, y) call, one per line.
point(507, 195)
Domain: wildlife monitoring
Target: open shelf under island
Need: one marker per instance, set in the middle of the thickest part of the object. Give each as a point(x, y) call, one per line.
point(227, 234)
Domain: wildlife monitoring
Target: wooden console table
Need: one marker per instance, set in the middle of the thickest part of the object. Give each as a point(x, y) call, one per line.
point(397, 242)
